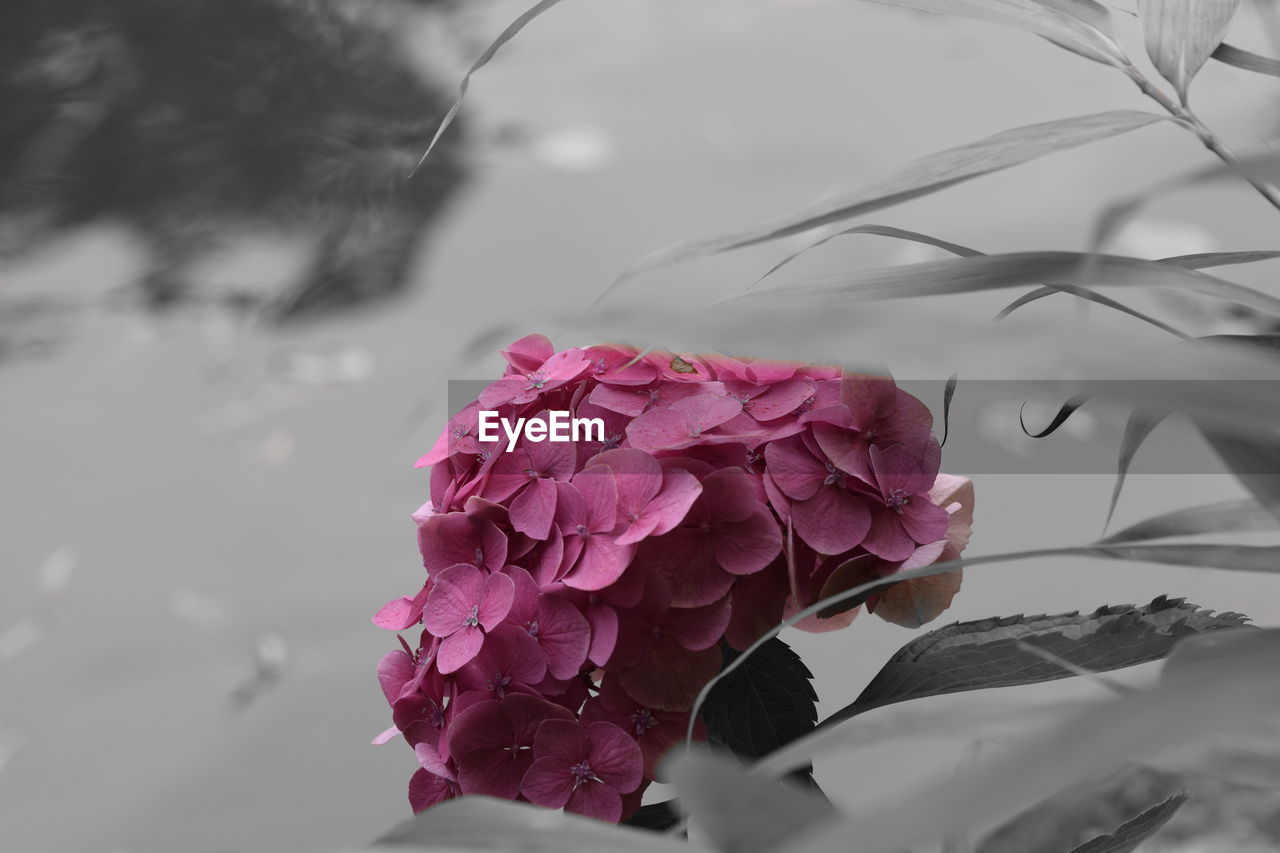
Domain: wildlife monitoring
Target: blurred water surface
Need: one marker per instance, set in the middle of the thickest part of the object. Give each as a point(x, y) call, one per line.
point(201, 514)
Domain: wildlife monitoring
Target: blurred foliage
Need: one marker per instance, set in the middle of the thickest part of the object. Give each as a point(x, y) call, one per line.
point(189, 120)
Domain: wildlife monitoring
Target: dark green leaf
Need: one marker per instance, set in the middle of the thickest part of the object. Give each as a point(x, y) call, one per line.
point(993, 652)
point(1133, 832)
point(921, 177)
point(764, 704)
point(1238, 58)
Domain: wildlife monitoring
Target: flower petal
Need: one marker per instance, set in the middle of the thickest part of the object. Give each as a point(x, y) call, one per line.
point(457, 650)
point(615, 757)
point(495, 600)
point(597, 800)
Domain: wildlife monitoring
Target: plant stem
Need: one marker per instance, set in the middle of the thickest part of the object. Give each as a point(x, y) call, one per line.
point(1183, 114)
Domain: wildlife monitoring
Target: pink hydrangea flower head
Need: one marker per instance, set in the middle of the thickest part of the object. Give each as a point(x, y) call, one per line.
point(583, 768)
point(465, 603)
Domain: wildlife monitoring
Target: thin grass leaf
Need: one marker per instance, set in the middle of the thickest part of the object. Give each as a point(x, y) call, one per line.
point(948, 394)
point(1202, 261)
point(1133, 832)
point(1243, 59)
point(485, 823)
point(918, 178)
point(1080, 26)
point(996, 272)
point(1254, 460)
point(505, 36)
point(1224, 517)
point(1181, 35)
point(1068, 409)
point(879, 231)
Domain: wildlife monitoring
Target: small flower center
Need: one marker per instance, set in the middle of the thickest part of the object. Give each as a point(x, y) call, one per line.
point(537, 379)
point(612, 441)
point(532, 628)
point(834, 476)
point(479, 556)
point(498, 684)
point(583, 531)
point(897, 499)
point(582, 774)
point(473, 617)
point(643, 720)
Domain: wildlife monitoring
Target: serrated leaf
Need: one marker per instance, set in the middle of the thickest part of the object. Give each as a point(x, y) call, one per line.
point(739, 811)
point(512, 30)
point(1133, 832)
point(1181, 35)
point(918, 178)
point(995, 272)
point(764, 704)
point(1223, 517)
point(1247, 61)
point(485, 823)
point(993, 652)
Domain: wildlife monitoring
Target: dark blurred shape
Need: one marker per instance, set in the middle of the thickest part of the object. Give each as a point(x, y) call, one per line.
point(187, 120)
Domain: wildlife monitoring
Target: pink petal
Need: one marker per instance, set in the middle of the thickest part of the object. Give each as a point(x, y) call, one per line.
point(528, 353)
point(624, 401)
point(456, 590)
point(427, 789)
point(887, 538)
point(685, 559)
point(747, 546)
point(431, 761)
point(637, 474)
point(480, 726)
point(924, 522)
point(832, 521)
point(527, 713)
point(452, 538)
point(670, 676)
point(729, 495)
point(510, 652)
point(599, 489)
point(604, 632)
point(781, 399)
point(524, 606)
point(697, 628)
point(554, 459)
point(707, 411)
point(386, 737)
point(670, 506)
point(495, 602)
point(563, 634)
point(660, 429)
point(615, 757)
point(548, 783)
point(794, 470)
point(602, 562)
point(395, 670)
point(595, 800)
point(493, 771)
point(457, 650)
point(563, 741)
point(401, 613)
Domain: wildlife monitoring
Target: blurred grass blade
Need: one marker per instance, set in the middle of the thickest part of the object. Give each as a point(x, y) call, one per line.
point(1181, 35)
point(505, 36)
point(1137, 428)
point(948, 394)
point(1247, 61)
point(1081, 810)
point(1133, 832)
point(1202, 261)
point(1254, 460)
point(1223, 517)
point(485, 823)
point(995, 272)
point(879, 231)
point(991, 653)
point(1068, 409)
point(741, 812)
point(918, 178)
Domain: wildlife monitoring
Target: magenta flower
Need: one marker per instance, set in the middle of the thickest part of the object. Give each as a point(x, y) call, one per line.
point(448, 539)
point(526, 386)
point(651, 500)
point(462, 606)
point(683, 423)
point(526, 477)
point(583, 768)
point(824, 502)
point(655, 730)
point(587, 515)
point(727, 532)
point(528, 354)
point(434, 782)
point(492, 742)
point(510, 661)
point(601, 608)
point(905, 518)
point(559, 629)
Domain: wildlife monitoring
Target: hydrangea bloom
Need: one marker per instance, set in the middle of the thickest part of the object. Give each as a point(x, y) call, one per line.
point(576, 595)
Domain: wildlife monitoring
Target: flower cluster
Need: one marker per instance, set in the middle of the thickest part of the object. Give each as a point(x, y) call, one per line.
point(577, 594)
